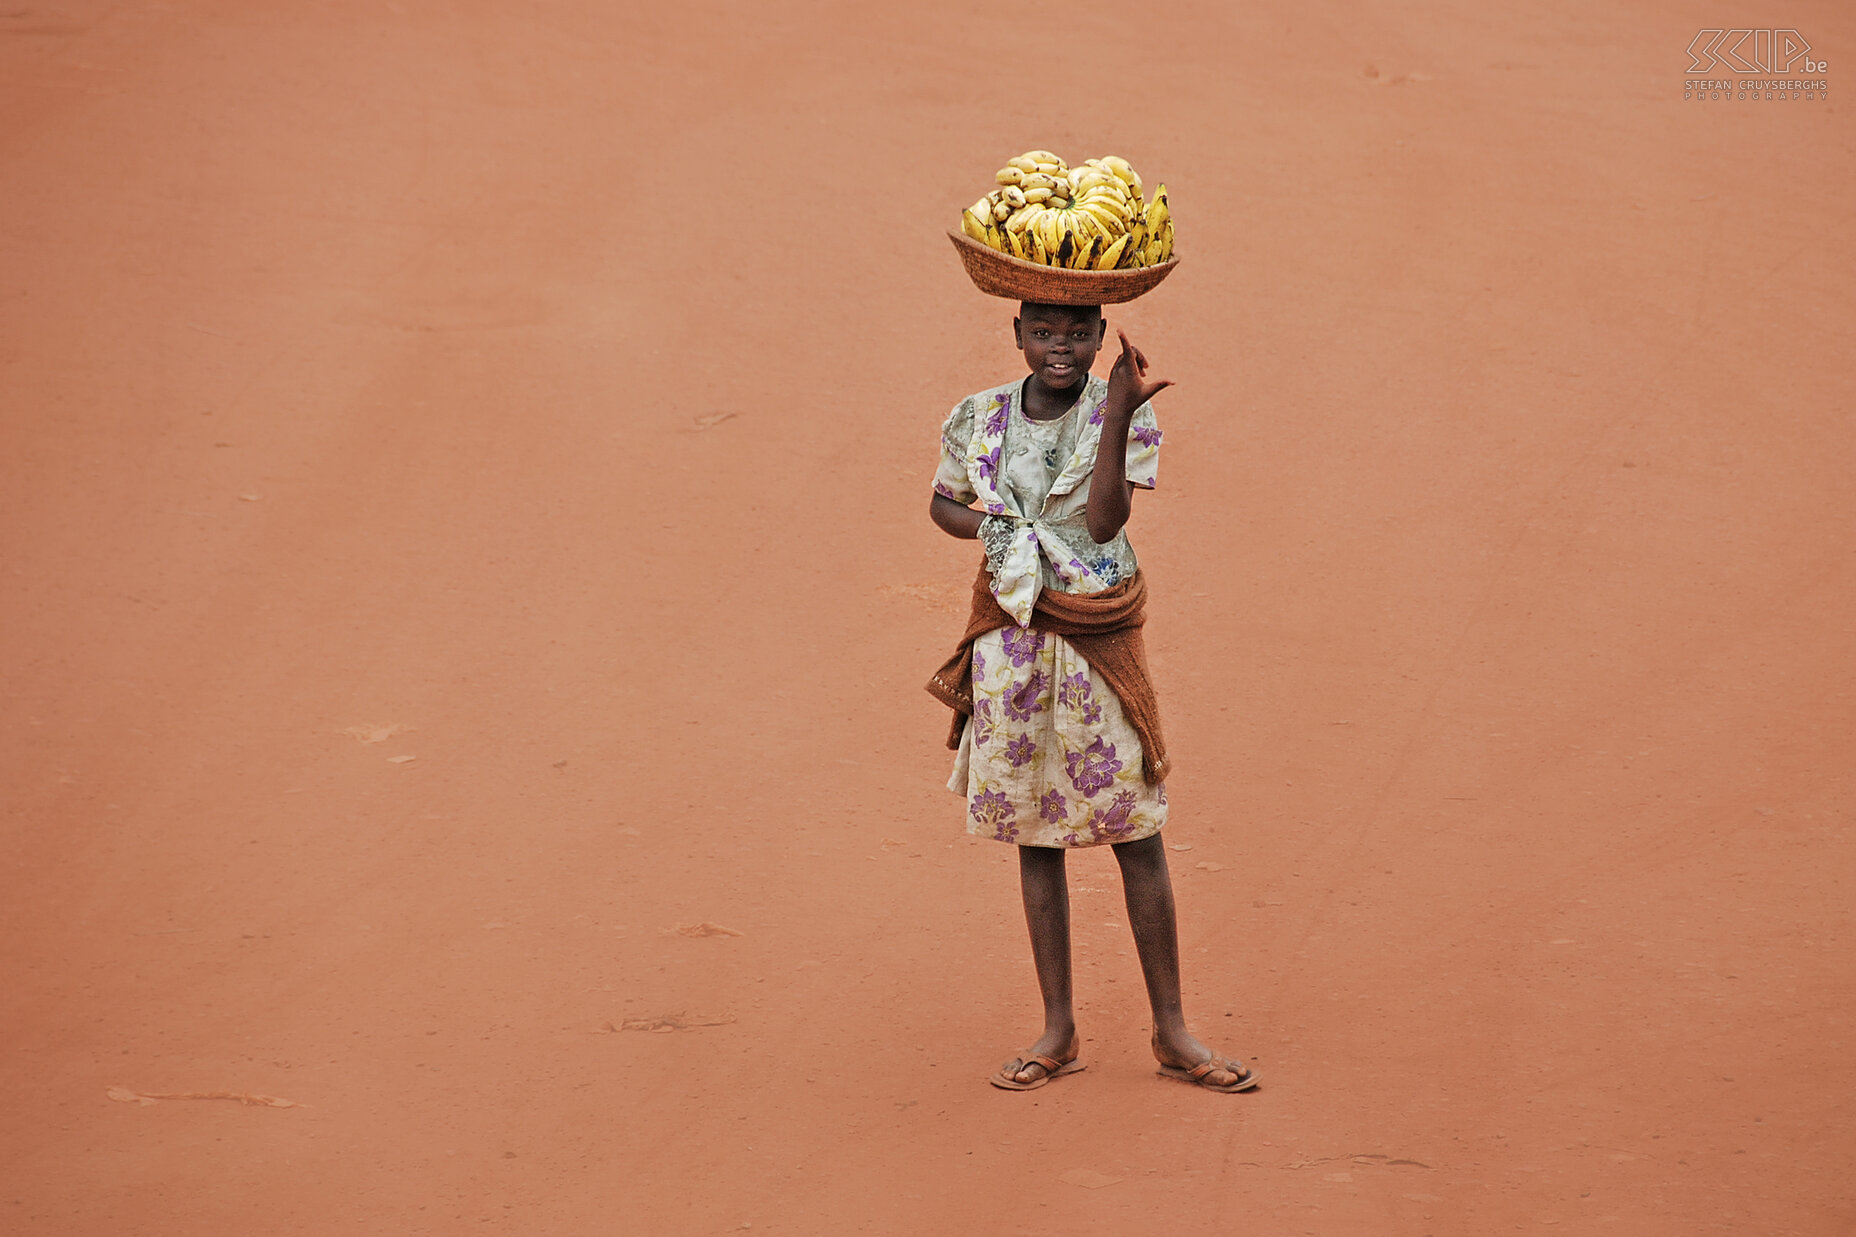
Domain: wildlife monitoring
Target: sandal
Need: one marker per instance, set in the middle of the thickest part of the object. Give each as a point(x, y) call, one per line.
point(1005, 1079)
point(1243, 1078)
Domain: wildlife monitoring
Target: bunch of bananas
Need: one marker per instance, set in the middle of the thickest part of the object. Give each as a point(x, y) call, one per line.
point(1088, 218)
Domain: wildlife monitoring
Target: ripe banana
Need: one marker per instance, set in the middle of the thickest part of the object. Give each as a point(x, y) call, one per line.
point(1107, 220)
point(1158, 212)
point(1123, 170)
point(1112, 255)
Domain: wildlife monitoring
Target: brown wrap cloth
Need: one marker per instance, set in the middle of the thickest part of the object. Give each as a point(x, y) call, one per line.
point(1104, 627)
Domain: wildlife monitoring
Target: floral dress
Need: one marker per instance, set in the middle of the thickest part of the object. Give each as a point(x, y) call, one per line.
point(1048, 758)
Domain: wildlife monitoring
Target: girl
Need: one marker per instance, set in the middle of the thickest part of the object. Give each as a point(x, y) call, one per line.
point(1055, 725)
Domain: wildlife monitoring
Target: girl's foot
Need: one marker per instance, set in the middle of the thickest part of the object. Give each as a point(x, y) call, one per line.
point(1182, 1056)
point(1024, 1069)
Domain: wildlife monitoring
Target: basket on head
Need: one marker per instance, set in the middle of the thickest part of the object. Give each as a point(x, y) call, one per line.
point(1000, 274)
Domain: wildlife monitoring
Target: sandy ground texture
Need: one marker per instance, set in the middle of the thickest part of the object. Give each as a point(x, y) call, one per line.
point(463, 530)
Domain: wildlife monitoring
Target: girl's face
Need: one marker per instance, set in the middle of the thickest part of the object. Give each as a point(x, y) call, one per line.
point(1060, 342)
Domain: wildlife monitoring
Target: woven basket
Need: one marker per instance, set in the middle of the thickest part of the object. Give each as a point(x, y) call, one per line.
point(1000, 274)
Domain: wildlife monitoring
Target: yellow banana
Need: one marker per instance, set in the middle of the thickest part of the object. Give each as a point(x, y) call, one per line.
point(1051, 229)
point(1038, 180)
point(1024, 163)
point(971, 225)
point(1124, 170)
point(1015, 196)
point(1037, 195)
point(1107, 201)
point(1066, 246)
point(1105, 219)
point(1112, 255)
point(1158, 212)
point(1009, 175)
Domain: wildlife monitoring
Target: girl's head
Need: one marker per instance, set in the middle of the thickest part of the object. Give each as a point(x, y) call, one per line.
point(1059, 341)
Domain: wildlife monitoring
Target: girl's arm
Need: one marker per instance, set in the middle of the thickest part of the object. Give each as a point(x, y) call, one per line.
point(1111, 494)
point(954, 519)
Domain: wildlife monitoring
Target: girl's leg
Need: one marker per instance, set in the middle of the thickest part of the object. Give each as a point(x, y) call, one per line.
point(1148, 888)
point(1047, 913)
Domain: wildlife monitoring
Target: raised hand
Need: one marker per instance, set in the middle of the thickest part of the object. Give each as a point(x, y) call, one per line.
point(1128, 384)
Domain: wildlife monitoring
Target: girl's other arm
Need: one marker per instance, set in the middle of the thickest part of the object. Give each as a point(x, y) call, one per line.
point(954, 519)
point(1111, 494)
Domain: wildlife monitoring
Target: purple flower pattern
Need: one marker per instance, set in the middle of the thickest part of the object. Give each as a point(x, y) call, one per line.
point(1052, 806)
point(1092, 769)
point(1024, 699)
point(985, 725)
point(1112, 824)
point(992, 810)
point(1147, 435)
point(1020, 749)
point(1074, 690)
point(987, 465)
point(1022, 644)
point(995, 424)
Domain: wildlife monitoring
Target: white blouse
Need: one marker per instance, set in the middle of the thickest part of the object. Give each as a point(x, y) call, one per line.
point(1035, 474)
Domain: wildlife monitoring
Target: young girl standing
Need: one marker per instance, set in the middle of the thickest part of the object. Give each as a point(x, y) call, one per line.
point(1055, 725)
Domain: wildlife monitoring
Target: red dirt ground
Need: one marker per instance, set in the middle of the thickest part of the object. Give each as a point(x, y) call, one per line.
point(559, 384)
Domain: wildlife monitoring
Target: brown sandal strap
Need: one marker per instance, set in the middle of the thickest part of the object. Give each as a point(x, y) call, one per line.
point(1238, 1072)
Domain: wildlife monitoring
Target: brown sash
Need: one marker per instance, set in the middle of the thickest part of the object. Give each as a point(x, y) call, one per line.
point(1104, 627)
